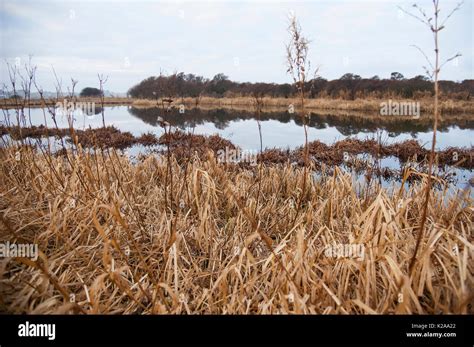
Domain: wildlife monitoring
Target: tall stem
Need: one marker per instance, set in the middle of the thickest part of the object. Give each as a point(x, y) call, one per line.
point(433, 143)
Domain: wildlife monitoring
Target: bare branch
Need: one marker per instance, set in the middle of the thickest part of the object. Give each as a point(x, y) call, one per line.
point(426, 58)
point(424, 21)
point(458, 6)
point(58, 85)
point(102, 81)
point(450, 59)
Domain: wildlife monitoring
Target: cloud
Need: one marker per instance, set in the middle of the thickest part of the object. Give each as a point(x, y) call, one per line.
point(204, 37)
point(40, 16)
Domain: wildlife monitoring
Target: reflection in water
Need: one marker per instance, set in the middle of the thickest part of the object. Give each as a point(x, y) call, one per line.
point(90, 109)
point(95, 110)
point(347, 125)
point(279, 129)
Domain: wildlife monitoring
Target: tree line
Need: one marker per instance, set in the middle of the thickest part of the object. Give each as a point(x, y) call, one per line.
point(348, 87)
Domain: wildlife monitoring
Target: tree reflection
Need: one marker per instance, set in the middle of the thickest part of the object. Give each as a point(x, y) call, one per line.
point(347, 124)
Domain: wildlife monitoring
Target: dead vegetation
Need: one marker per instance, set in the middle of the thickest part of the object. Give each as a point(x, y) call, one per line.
point(103, 230)
point(179, 232)
point(184, 145)
point(12, 103)
point(448, 107)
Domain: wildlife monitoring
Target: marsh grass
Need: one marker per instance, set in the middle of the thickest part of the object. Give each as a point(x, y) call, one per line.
point(447, 106)
point(102, 226)
point(186, 144)
point(181, 233)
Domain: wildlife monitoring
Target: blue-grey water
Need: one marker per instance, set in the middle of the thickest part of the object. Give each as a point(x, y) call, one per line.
point(278, 129)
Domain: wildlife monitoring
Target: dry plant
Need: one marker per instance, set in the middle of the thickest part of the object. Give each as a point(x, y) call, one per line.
point(258, 105)
point(114, 239)
point(449, 108)
point(299, 68)
point(102, 80)
point(102, 228)
point(435, 25)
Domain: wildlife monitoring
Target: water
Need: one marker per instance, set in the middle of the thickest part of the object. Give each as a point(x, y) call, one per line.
point(279, 129)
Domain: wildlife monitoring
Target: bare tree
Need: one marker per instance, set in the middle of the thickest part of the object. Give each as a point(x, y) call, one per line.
point(102, 81)
point(299, 68)
point(435, 25)
point(258, 104)
point(27, 82)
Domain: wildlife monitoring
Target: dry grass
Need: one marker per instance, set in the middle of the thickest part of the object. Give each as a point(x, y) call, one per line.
point(108, 236)
point(108, 101)
point(448, 106)
point(183, 145)
point(370, 104)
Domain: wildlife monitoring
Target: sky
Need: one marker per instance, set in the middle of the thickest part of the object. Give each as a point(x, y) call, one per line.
point(131, 40)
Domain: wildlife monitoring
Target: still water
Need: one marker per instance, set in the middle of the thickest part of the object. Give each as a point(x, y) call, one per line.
point(278, 129)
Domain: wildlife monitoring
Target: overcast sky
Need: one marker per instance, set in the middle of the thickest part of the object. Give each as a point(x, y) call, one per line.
point(131, 40)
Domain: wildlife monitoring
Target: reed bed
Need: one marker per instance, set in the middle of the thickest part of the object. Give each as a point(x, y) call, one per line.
point(42, 102)
point(183, 145)
point(155, 237)
point(448, 106)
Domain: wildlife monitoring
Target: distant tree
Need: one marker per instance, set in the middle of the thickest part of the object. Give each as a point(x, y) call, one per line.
point(350, 83)
point(220, 77)
point(349, 86)
point(421, 78)
point(89, 91)
point(284, 90)
point(317, 86)
point(397, 76)
point(220, 84)
point(350, 76)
